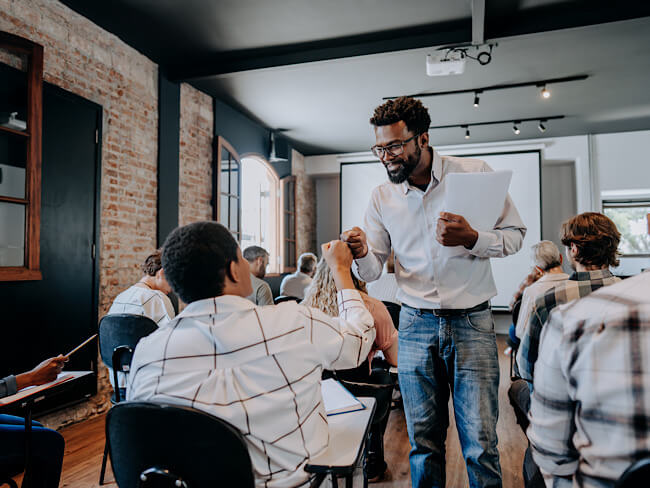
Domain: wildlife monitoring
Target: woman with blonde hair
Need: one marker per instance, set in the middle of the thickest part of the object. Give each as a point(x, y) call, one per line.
point(364, 380)
point(321, 294)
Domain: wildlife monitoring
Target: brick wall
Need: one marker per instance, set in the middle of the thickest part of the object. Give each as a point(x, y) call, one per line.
point(305, 206)
point(86, 60)
point(197, 129)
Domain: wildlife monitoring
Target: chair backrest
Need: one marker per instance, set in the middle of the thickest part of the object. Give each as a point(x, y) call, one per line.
point(283, 298)
point(636, 475)
point(515, 311)
point(201, 450)
point(122, 329)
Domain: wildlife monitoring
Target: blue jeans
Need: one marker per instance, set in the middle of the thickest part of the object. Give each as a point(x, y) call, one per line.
point(442, 354)
point(47, 451)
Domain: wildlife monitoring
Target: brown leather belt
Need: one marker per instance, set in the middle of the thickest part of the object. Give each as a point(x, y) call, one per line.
point(454, 312)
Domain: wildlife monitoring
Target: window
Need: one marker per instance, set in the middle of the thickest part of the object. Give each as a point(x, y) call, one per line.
point(21, 95)
point(289, 224)
point(260, 209)
point(633, 221)
point(227, 188)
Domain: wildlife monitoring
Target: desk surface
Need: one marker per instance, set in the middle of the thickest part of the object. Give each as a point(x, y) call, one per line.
point(38, 393)
point(348, 432)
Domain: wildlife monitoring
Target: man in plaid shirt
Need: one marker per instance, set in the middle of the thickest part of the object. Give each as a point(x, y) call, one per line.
point(590, 407)
point(592, 242)
point(258, 368)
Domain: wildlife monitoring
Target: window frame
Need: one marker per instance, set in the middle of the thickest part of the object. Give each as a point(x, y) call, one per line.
point(288, 267)
point(30, 271)
point(222, 143)
point(629, 203)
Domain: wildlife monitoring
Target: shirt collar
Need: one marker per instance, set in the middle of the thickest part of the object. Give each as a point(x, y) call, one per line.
point(598, 274)
point(554, 277)
point(222, 304)
point(436, 170)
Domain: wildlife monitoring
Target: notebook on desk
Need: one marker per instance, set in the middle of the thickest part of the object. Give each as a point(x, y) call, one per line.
point(337, 399)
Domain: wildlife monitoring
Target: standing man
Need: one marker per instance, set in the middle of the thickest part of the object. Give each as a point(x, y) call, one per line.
point(258, 258)
point(446, 337)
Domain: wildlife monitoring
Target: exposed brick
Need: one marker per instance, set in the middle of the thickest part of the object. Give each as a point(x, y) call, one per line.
point(305, 206)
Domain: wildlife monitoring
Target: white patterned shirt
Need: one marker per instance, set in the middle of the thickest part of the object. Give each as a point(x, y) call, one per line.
point(140, 299)
point(258, 368)
point(404, 217)
point(590, 409)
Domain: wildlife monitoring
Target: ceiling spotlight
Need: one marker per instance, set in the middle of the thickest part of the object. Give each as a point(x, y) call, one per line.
point(515, 129)
point(466, 132)
point(541, 126)
point(545, 92)
point(476, 100)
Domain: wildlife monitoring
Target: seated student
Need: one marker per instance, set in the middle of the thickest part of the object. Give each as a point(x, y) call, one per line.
point(258, 258)
point(147, 297)
point(590, 405)
point(591, 241)
point(295, 284)
point(47, 445)
point(321, 294)
point(258, 368)
point(548, 267)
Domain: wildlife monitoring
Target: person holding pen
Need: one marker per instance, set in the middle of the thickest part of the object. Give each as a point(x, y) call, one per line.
point(47, 445)
point(447, 343)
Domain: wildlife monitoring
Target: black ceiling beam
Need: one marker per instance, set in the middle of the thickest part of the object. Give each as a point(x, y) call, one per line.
point(496, 122)
point(483, 89)
point(204, 65)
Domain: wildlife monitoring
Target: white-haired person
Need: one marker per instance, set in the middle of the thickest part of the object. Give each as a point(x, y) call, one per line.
point(295, 284)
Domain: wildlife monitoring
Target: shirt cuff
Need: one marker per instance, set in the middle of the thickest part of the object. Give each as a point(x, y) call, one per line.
point(482, 244)
point(363, 264)
point(10, 381)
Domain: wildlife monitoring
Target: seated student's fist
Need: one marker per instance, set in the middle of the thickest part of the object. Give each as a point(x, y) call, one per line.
point(356, 241)
point(47, 371)
point(454, 230)
point(337, 255)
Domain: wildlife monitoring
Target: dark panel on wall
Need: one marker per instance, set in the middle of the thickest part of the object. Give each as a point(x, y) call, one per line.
point(169, 115)
point(248, 136)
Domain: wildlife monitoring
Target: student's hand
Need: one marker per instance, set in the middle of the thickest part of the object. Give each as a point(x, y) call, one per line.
point(337, 255)
point(43, 373)
point(356, 240)
point(454, 230)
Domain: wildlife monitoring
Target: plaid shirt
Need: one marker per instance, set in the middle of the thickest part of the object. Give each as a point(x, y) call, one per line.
point(258, 368)
point(590, 411)
point(578, 285)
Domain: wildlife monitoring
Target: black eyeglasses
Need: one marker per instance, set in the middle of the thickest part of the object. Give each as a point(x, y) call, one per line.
point(392, 149)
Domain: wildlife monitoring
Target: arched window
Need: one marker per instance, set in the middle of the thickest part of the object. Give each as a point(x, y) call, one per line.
point(260, 208)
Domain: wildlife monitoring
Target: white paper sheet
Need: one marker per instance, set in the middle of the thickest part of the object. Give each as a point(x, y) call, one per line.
point(337, 399)
point(479, 197)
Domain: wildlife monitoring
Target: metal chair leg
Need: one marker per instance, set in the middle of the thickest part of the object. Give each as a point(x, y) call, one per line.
point(103, 471)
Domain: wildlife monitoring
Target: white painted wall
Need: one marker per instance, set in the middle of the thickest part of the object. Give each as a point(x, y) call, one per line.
point(622, 160)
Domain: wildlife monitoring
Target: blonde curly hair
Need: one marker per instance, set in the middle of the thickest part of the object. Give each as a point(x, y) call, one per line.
point(321, 293)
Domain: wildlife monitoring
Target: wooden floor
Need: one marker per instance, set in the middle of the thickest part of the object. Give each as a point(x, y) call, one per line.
point(84, 445)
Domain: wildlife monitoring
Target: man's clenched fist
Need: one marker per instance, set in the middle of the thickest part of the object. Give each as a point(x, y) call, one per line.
point(356, 241)
point(454, 230)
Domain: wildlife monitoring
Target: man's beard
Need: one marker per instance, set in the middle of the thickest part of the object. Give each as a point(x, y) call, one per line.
point(406, 167)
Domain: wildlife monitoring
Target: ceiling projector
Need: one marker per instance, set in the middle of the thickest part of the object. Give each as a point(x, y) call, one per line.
point(443, 65)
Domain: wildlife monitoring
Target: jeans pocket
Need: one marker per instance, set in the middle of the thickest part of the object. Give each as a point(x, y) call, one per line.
point(407, 317)
point(481, 321)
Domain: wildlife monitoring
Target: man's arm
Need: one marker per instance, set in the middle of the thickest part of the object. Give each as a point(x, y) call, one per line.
point(371, 248)
point(264, 295)
point(344, 341)
point(43, 373)
point(529, 347)
point(552, 410)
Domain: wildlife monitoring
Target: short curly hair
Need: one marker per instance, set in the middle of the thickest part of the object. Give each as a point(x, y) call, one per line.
point(152, 264)
point(197, 259)
point(410, 110)
point(595, 236)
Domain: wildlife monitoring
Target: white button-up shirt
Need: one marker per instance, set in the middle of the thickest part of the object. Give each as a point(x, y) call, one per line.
point(532, 293)
point(405, 217)
point(258, 368)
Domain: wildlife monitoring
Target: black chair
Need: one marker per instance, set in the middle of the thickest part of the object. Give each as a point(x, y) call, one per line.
point(514, 347)
point(156, 445)
point(283, 298)
point(636, 475)
point(118, 336)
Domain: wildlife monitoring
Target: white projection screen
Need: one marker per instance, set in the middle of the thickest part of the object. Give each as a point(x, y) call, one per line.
point(359, 179)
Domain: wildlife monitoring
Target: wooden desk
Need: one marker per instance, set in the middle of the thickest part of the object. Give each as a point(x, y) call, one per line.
point(346, 449)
